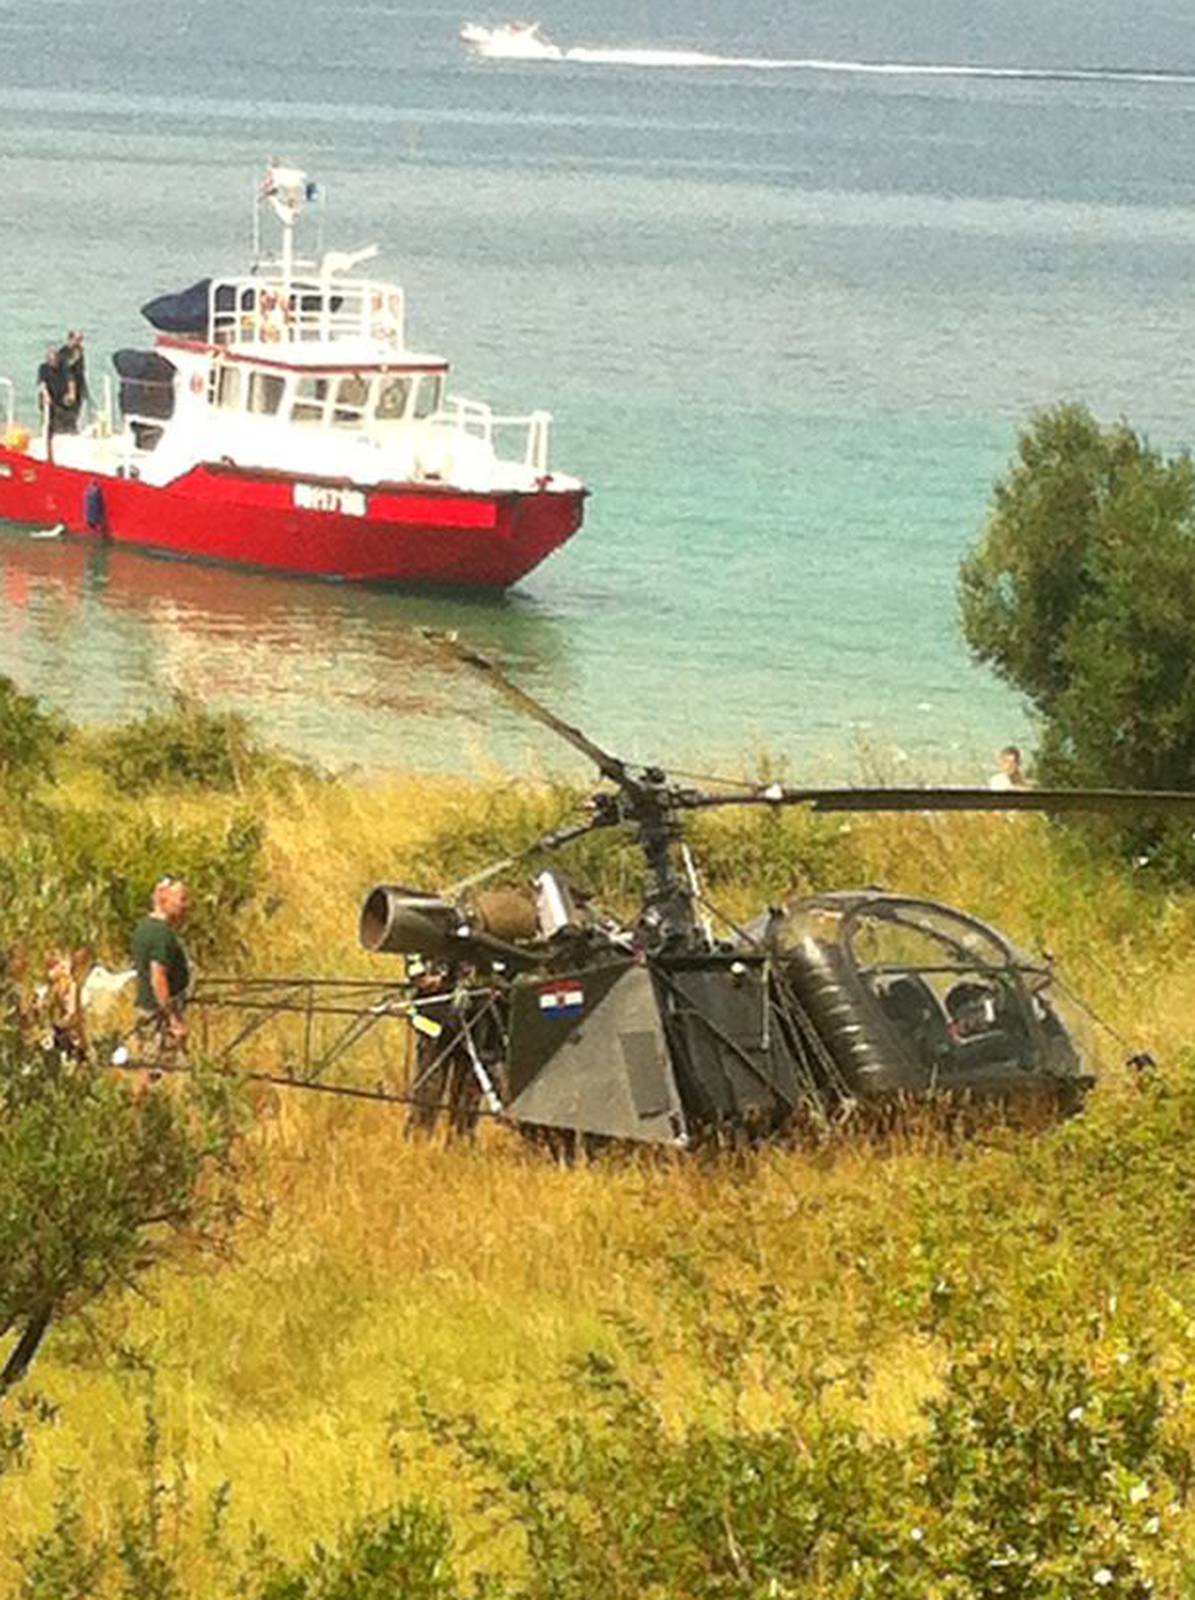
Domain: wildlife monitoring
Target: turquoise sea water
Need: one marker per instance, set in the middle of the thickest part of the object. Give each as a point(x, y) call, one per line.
point(788, 319)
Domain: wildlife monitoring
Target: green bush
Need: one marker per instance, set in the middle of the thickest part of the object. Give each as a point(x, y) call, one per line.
point(403, 1554)
point(29, 736)
point(65, 1563)
point(495, 822)
point(185, 747)
point(1041, 1474)
point(406, 1552)
point(775, 852)
point(1049, 1475)
point(84, 876)
point(761, 853)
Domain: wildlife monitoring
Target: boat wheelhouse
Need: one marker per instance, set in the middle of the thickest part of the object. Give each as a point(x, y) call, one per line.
point(280, 420)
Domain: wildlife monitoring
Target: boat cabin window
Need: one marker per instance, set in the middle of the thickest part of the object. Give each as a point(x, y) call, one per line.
point(393, 395)
point(352, 401)
point(429, 396)
point(265, 393)
point(227, 393)
point(310, 403)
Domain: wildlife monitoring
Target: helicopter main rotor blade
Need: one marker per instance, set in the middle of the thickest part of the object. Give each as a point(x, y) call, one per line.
point(609, 766)
point(1051, 800)
point(547, 842)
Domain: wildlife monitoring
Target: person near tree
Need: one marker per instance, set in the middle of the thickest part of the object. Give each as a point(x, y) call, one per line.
point(162, 965)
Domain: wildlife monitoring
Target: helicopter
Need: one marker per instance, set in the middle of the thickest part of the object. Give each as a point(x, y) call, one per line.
point(532, 1005)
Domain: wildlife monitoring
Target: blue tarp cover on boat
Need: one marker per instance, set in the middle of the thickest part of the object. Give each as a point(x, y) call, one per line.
point(146, 383)
point(185, 312)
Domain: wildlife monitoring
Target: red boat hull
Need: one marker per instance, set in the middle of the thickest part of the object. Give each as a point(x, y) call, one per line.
point(416, 534)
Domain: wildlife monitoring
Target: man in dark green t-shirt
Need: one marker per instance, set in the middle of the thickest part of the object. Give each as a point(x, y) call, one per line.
point(163, 971)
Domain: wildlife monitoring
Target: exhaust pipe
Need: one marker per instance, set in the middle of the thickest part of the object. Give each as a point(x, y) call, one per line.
point(397, 920)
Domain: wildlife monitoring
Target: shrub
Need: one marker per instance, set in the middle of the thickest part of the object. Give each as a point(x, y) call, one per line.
point(185, 747)
point(773, 853)
point(1041, 1475)
point(65, 1563)
point(758, 855)
point(1046, 1475)
point(84, 876)
point(406, 1552)
point(28, 737)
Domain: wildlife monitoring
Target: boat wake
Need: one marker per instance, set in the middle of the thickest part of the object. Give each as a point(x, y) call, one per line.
point(525, 41)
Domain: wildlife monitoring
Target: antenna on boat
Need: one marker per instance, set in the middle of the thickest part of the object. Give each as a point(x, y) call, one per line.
point(345, 260)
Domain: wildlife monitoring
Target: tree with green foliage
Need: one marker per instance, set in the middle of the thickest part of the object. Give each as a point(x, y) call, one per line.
point(97, 1184)
point(1081, 594)
point(28, 737)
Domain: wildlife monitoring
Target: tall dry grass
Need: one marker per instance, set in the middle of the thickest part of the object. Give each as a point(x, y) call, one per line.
point(375, 1275)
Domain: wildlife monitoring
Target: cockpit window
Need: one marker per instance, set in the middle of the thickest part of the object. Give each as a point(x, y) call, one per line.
point(228, 388)
point(392, 399)
point(896, 934)
point(429, 395)
point(352, 400)
point(265, 393)
point(310, 403)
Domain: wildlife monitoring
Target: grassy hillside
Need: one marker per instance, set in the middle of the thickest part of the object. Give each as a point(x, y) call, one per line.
point(901, 1369)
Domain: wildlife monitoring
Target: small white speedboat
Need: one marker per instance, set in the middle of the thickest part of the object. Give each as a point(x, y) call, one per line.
point(510, 41)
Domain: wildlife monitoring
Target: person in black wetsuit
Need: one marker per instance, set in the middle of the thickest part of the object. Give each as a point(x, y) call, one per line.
point(52, 388)
point(73, 365)
point(51, 397)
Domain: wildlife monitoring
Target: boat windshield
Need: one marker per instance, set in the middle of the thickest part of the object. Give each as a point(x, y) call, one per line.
point(393, 395)
point(265, 393)
point(338, 400)
point(310, 403)
point(430, 395)
point(352, 400)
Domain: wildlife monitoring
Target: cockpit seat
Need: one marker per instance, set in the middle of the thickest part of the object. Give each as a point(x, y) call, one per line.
point(908, 1002)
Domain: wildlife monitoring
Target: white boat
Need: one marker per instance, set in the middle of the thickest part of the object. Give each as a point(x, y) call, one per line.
point(510, 41)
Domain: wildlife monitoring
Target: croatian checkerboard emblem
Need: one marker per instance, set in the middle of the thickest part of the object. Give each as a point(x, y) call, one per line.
point(561, 999)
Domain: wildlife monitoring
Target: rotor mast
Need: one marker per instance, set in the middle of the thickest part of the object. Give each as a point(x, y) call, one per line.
point(669, 916)
point(643, 798)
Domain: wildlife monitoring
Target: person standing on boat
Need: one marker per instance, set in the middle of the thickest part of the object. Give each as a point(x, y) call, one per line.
point(51, 397)
point(74, 368)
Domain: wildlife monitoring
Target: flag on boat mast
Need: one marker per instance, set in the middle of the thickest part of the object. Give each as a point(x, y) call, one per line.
point(287, 189)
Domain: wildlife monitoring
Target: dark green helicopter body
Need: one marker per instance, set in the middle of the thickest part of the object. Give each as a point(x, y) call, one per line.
point(656, 1031)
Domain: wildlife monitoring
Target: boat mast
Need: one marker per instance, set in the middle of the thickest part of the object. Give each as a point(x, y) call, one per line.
point(287, 190)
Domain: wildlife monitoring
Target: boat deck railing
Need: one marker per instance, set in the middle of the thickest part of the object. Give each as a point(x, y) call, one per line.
point(259, 311)
point(477, 419)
